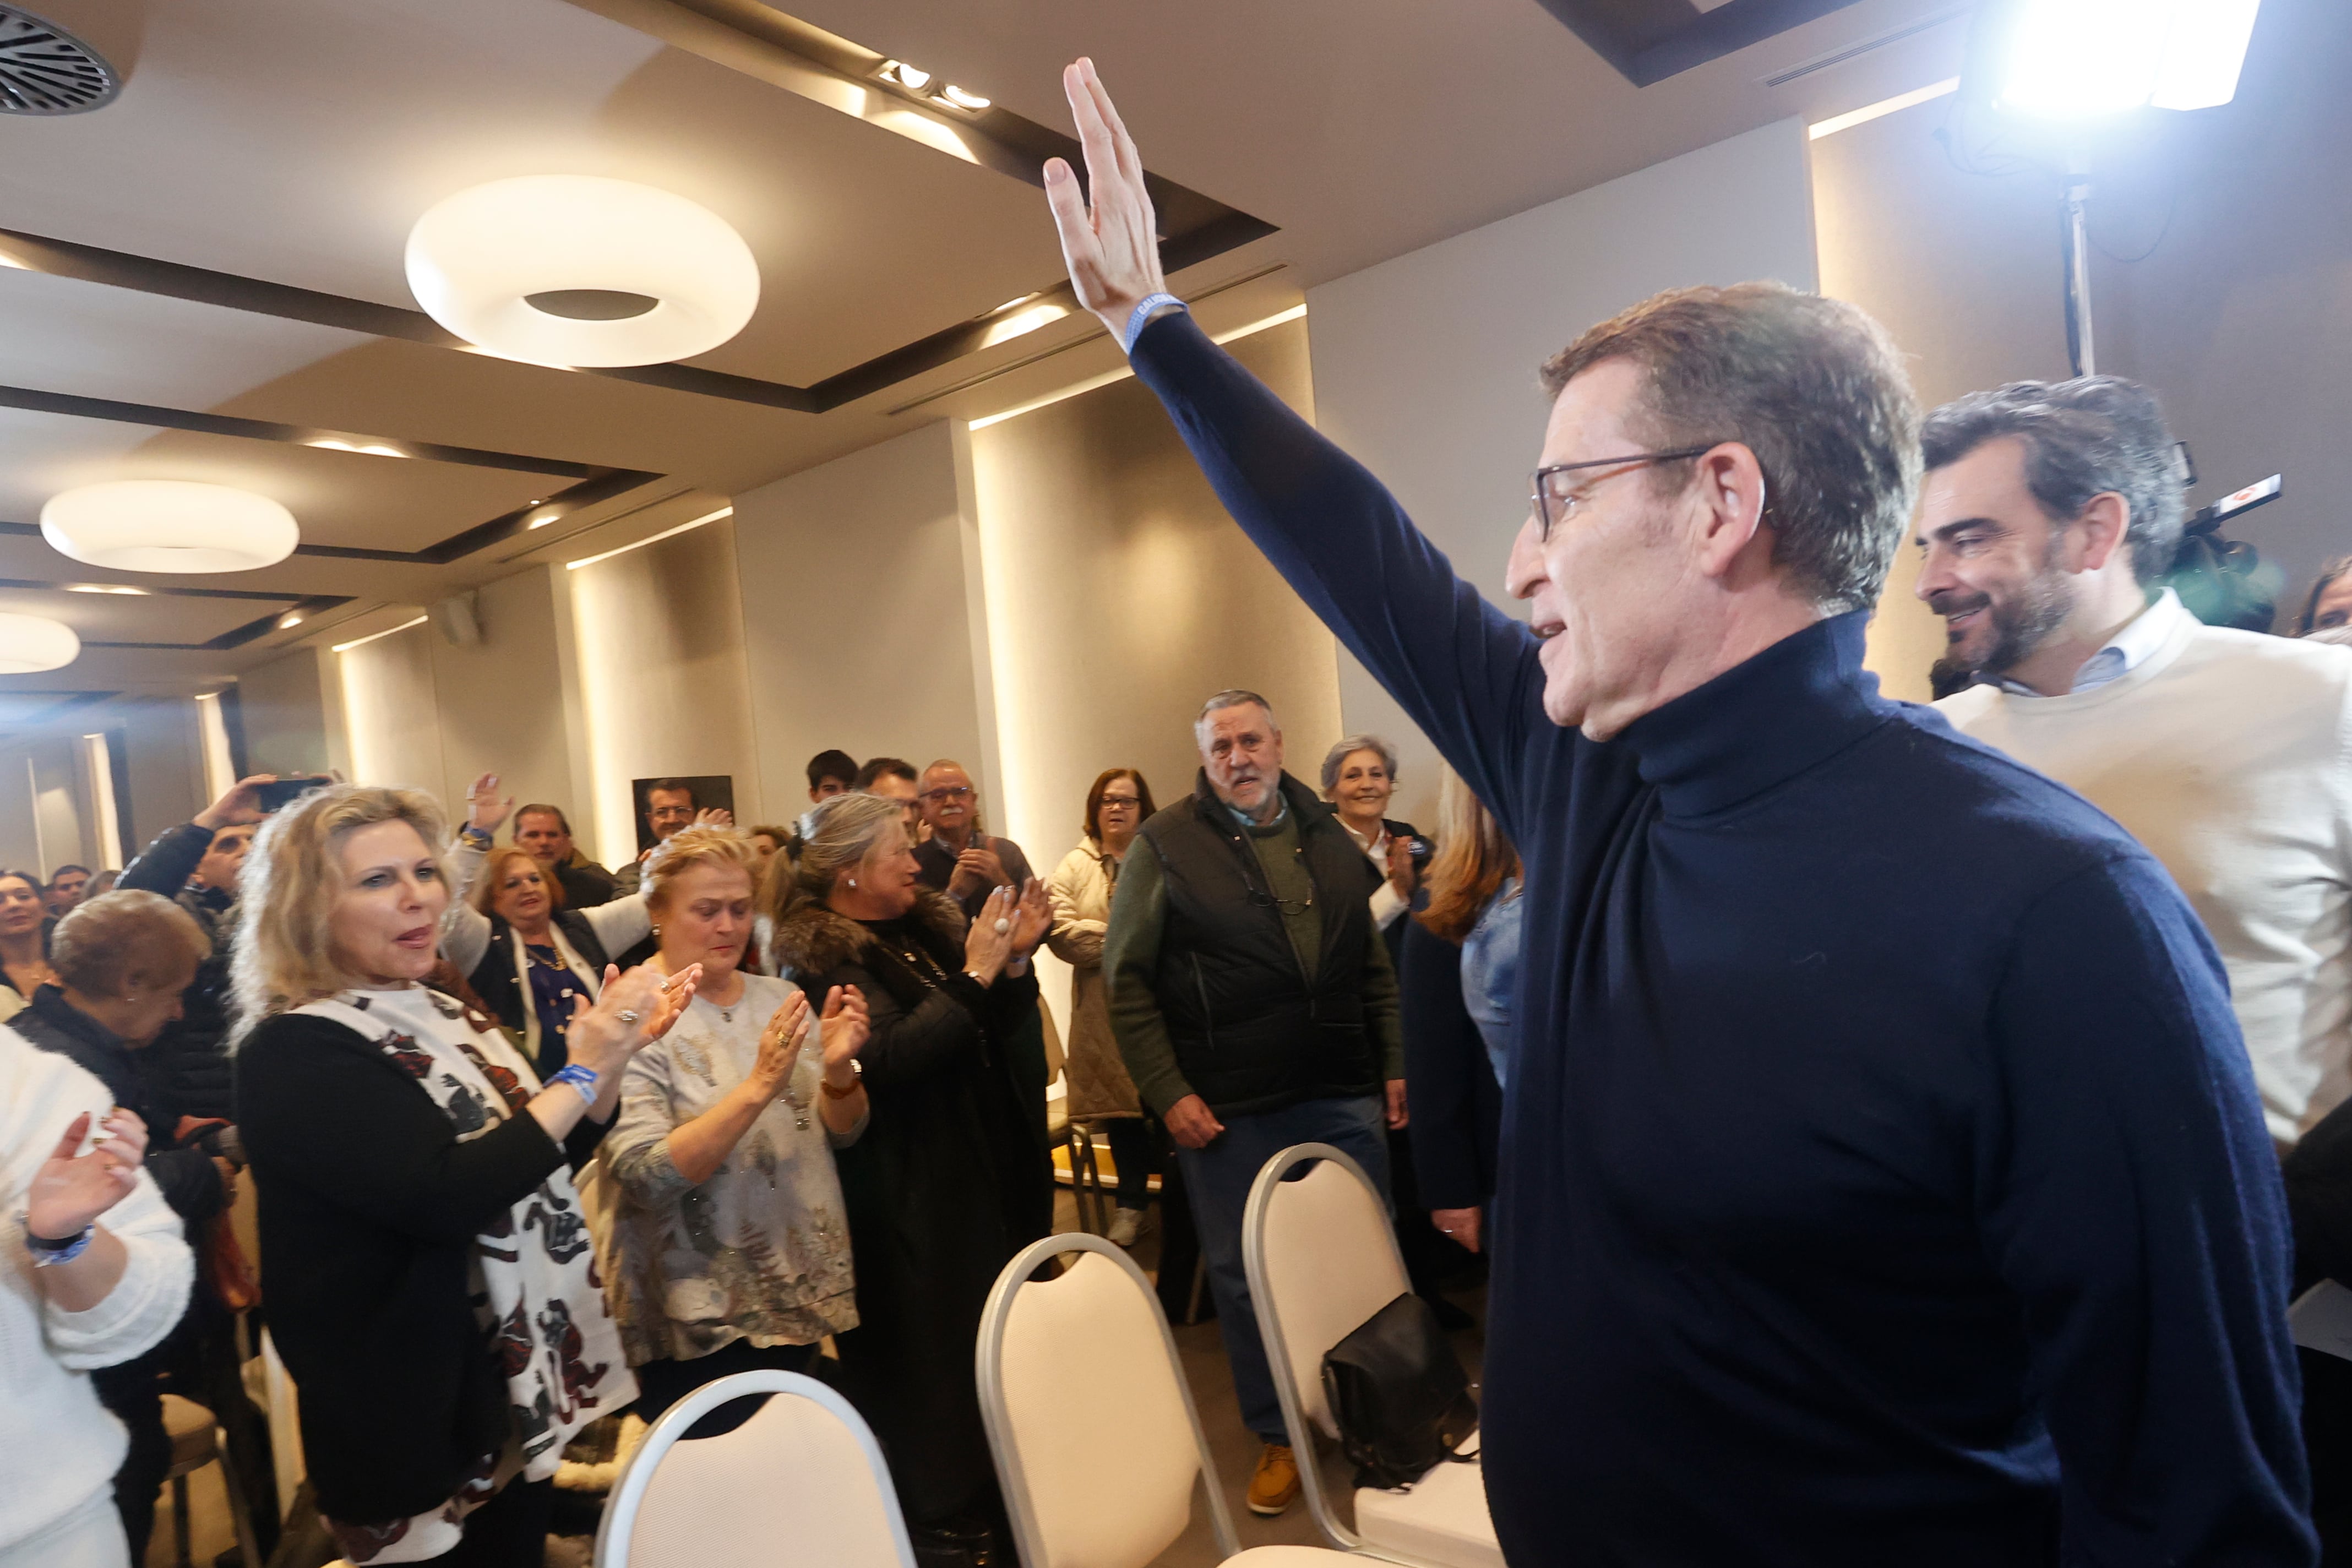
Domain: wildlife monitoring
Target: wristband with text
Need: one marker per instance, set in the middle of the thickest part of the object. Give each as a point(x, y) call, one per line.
point(1137, 318)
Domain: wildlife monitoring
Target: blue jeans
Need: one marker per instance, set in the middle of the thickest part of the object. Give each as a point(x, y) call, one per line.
point(1218, 1179)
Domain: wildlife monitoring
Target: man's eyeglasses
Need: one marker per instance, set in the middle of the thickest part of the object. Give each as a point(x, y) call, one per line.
point(946, 792)
point(1554, 506)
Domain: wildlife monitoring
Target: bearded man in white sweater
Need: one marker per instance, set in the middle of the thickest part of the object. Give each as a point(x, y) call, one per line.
point(2048, 509)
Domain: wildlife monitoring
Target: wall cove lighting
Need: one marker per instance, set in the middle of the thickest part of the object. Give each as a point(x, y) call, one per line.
point(30, 643)
point(169, 525)
point(573, 269)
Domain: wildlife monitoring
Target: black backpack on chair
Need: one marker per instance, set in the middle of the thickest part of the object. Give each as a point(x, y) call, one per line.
point(1398, 1395)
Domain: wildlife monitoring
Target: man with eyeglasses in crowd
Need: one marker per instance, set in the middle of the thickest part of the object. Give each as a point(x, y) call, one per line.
point(960, 858)
point(1882, 1176)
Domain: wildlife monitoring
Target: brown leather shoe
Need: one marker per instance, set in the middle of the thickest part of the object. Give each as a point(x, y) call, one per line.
point(1275, 1486)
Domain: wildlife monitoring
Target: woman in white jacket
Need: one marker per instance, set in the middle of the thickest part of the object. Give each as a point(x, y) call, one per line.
point(79, 1294)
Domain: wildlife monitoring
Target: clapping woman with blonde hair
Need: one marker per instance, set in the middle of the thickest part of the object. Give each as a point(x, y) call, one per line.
point(431, 1282)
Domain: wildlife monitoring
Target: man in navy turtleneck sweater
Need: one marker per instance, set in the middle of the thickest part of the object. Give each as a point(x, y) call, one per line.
point(1883, 1182)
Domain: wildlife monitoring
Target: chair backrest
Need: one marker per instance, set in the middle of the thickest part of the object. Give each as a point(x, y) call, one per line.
point(1097, 1445)
point(1321, 1257)
point(799, 1485)
point(285, 1421)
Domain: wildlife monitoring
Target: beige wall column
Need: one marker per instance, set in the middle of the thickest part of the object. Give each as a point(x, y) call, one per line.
point(865, 623)
point(659, 643)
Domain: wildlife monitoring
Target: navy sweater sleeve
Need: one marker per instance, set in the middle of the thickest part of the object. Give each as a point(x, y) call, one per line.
point(1452, 1087)
point(2131, 1198)
point(1465, 671)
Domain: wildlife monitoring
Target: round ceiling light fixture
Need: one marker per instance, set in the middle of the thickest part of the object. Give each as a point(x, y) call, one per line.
point(169, 525)
point(574, 270)
point(31, 643)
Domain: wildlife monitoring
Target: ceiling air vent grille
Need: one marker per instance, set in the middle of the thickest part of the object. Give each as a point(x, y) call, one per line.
point(44, 70)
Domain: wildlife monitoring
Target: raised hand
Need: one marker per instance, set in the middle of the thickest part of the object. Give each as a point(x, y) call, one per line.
point(69, 1191)
point(714, 816)
point(483, 809)
point(986, 950)
point(240, 805)
point(846, 1030)
point(1111, 246)
point(1032, 919)
point(781, 1043)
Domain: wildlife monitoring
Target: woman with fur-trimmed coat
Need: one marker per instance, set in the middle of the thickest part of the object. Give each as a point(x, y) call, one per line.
point(952, 1177)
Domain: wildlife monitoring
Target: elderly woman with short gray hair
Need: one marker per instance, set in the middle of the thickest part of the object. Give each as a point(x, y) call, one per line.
point(1359, 775)
point(443, 1317)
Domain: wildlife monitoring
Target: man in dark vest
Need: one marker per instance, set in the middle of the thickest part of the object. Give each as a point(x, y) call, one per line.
point(1253, 1002)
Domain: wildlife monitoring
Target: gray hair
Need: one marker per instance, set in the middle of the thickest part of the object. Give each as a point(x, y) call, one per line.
point(835, 835)
point(2089, 436)
point(1349, 748)
point(1231, 697)
point(1813, 387)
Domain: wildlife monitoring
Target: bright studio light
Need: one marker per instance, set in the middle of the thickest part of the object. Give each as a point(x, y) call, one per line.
point(963, 98)
point(572, 269)
point(31, 643)
point(169, 525)
point(2083, 59)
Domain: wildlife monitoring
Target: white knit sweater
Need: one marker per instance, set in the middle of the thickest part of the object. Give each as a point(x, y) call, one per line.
point(2229, 756)
point(58, 1448)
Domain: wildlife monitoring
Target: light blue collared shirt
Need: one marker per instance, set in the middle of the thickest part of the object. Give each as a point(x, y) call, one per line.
point(2125, 651)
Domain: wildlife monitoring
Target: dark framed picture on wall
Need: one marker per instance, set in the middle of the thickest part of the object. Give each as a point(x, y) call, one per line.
point(660, 801)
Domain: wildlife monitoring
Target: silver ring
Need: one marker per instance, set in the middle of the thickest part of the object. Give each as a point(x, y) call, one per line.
point(628, 1015)
point(1003, 926)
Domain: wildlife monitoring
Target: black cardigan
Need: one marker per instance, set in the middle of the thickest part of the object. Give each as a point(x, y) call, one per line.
point(1457, 1106)
point(369, 1209)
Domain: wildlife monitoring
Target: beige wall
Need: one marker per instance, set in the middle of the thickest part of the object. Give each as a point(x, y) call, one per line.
point(657, 641)
point(165, 764)
point(500, 698)
point(1425, 366)
point(284, 710)
point(1963, 270)
point(1120, 594)
point(860, 628)
point(391, 712)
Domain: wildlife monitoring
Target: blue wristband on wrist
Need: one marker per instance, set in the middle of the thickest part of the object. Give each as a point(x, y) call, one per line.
point(48, 1254)
point(582, 1079)
point(1137, 318)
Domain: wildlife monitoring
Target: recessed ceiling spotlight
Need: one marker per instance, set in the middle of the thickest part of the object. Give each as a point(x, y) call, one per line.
point(913, 79)
point(169, 525)
point(963, 99)
point(1018, 300)
point(370, 450)
point(573, 270)
point(103, 588)
point(542, 518)
point(29, 643)
point(289, 620)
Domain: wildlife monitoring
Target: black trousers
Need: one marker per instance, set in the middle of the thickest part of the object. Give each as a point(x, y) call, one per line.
point(1133, 1150)
point(662, 1384)
point(133, 1392)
